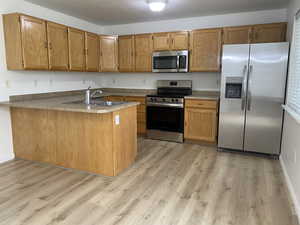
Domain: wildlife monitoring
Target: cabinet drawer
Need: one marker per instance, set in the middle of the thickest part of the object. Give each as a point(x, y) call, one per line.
point(205, 104)
point(141, 100)
point(114, 98)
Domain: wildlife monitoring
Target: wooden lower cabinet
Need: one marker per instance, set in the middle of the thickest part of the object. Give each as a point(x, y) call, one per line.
point(86, 141)
point(200, 120)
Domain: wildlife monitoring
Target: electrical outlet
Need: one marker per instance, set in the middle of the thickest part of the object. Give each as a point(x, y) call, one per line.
point(51, 82)
point(114, 81)
point(117, 119)
point(35, 83)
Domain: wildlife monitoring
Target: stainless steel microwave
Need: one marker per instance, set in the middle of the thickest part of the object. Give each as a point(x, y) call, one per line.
point(170, 62)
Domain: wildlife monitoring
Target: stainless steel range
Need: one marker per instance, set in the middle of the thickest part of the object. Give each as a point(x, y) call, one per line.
point(165, 110)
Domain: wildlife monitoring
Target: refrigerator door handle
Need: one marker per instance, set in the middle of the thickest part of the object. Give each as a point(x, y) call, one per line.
point(249, 89)
point(244, 86)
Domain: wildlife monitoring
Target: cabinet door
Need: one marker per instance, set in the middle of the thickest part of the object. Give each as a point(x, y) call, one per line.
point(34, 43)
point(126, 53)
point(205, 50)
point(58, 46)
point(76, 49)
point(92, 52)
point(180, 40)
point(269, 33)
point(143, 53)
point(237, 35)
point(161, 41)
point(109, 53)
point(200, 124)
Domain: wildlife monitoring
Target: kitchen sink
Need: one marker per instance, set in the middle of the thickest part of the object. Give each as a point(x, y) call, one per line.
point(96, 103)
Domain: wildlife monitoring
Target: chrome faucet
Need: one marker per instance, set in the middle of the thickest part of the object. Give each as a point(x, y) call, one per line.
point(89, 95)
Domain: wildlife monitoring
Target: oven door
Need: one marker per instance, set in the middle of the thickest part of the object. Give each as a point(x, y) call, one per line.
point(165, 118)
point(166, 62)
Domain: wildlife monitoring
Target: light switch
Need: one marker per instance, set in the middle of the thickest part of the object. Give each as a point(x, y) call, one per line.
point(117, 119)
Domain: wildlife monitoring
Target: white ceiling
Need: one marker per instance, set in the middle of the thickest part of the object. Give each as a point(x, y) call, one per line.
point(109, 12)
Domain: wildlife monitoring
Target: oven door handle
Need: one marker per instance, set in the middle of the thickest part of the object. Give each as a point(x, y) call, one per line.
point(166, 105)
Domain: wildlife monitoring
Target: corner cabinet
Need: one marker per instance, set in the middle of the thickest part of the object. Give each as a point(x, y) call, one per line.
point(200, 120)
point(143, 52)
point(26, 42)
point(58, 50)
point(205, 50)
point(108, 53)
point(275, 32)
point(126, 53)
point(76, 49)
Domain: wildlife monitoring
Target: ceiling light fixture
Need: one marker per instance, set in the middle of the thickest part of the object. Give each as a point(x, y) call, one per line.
point(157, 5)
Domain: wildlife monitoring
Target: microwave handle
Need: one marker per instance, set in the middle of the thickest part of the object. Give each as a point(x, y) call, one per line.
point(178, 59)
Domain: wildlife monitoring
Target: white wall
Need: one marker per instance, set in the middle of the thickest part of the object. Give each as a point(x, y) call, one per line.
point(290, 157)
point(201, 81)
point(234, 19)
point(27, 82)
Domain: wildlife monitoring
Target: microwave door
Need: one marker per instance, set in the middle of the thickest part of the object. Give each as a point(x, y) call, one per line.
point(183, 63)
point(167, 64)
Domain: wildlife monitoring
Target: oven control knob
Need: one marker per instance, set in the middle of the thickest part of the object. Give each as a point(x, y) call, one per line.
point(163, 99)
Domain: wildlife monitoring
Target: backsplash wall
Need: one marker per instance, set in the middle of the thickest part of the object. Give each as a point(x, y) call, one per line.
point(201, 81)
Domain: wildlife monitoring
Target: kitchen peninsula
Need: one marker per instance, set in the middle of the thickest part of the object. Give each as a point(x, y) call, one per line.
point(63, 131)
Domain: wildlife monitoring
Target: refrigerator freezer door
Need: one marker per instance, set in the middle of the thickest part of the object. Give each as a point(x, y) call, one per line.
point(233, 96)
point(266, 93)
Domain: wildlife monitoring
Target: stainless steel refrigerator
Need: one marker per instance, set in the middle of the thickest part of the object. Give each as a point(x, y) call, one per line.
point(252, 91)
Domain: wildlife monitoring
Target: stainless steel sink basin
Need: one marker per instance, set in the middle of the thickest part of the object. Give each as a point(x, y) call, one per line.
point(96, 103)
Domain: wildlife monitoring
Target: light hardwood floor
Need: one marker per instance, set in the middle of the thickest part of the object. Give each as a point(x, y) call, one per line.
point(170, 184)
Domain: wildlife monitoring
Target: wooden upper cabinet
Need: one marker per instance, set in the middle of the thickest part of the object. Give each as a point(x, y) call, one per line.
point(92, 52)
point(126, 53)
point(275, 32)
point(143, 53)
point(237, 35)
point(205, 50)
point(58, 46)
point(76, 49)
point(179, 40)
point(161, 41)
point(109, 53)
point(34, 43)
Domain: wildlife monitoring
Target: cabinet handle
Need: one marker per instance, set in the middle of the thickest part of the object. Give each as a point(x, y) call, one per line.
point(46, 44)
point(50, 46)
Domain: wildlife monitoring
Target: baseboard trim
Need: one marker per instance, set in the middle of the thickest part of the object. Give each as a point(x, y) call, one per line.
point(291, 189)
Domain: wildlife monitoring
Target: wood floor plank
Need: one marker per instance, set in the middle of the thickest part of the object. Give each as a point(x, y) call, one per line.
point(169, 184)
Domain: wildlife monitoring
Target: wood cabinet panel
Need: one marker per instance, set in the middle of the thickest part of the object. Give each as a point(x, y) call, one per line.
point(179, 40)
point(200, 124)
point(76, 49)
point(109, 53)
point(126, 53)
point(92, 52)
point(143, 52)
point(206, 104)
point(141, 128)
point(161, 41)
point(34, 43)
point(205, 50)
point(125, 138)
point(58, 46)
point(237, 35)
point(275, 32)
